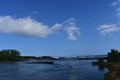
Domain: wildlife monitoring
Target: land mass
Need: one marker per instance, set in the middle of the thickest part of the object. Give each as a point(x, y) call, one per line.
point(112, 64)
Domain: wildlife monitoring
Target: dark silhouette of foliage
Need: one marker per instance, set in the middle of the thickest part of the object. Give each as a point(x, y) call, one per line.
point(113, 65)
point(46, 58)
point(100, 60)
point(6, 57)
point(15, 53)
point(9, 55)
point(113, 56)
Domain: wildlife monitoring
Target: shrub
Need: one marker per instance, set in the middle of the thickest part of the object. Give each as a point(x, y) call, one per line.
point(9, 55)
point(113, 56)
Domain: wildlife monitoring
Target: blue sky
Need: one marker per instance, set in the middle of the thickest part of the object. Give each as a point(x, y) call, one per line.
point(60, 27)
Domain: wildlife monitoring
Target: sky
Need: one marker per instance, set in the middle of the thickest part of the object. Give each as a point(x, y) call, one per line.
point(60, 27)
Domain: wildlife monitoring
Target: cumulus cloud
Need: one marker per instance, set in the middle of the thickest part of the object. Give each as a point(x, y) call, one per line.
point(107, 29)
point(30, 27)
point(25, 27)
point(71, 29)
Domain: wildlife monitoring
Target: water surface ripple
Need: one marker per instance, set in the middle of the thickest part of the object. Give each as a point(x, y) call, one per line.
point(61, 70)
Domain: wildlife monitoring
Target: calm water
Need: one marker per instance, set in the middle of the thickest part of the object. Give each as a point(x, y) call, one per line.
point(61, 70)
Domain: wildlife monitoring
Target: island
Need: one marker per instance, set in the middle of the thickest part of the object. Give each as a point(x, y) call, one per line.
point(10, 55)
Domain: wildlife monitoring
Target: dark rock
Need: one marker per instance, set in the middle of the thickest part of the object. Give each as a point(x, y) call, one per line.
point(44, 62)
point(95, 63)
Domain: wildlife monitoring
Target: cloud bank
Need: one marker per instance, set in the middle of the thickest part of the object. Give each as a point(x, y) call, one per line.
point(30, 27)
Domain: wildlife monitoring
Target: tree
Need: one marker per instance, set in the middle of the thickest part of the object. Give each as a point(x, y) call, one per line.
point(113, 56)
point(100, 60)
point(9, 55)
point(15, 53)
point(6, 57)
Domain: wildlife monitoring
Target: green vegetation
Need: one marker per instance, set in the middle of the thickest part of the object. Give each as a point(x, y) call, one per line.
point(112, 64)
point(113, 56)
point(114, 71)
point(100, 60)
point(9, 55)
point(28, 57)
point(46, 58)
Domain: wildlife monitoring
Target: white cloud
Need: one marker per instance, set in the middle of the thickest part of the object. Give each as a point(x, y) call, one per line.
point(118, 9)
point(114, 4)
point(118, 12)
point(107, 29)
point(25, 27)
point(56, 27)
point(36, 12)
point(30, 27)
point(71, 29)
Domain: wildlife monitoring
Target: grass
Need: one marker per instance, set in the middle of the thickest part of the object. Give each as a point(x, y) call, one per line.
point(114, 70)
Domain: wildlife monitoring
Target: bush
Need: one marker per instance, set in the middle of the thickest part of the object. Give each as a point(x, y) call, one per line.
point(9, 55)
point(108, 76)
point(113, 56)
point(6, 57)
point(100, 60)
